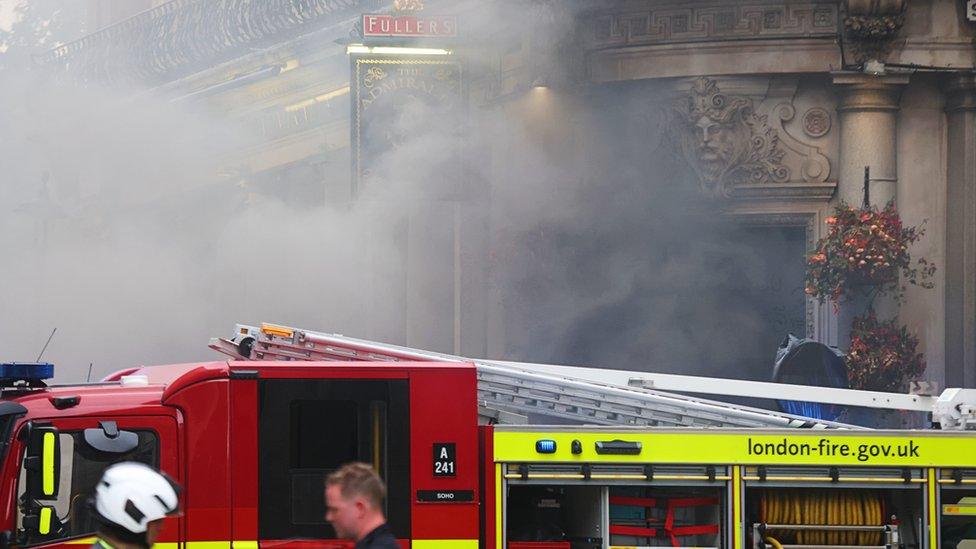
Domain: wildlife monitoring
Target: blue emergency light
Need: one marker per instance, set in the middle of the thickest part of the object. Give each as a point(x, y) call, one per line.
point(30, 372)
point(545, 446)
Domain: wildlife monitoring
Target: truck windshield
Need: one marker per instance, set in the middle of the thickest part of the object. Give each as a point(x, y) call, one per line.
point(81, 468)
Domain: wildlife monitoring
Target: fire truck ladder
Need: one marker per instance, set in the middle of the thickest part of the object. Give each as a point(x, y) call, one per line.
point(512, 394)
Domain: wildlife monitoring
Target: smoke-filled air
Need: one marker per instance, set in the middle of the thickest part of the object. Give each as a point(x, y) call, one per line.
point(131, 225)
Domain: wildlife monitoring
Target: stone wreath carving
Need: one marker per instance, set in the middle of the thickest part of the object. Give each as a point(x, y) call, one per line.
point(725, 141)
point(871, 26)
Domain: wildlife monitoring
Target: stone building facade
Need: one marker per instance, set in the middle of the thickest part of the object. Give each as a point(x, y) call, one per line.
point(769, 109)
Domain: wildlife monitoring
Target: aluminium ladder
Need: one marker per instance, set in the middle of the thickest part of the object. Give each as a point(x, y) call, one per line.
point(511, 394)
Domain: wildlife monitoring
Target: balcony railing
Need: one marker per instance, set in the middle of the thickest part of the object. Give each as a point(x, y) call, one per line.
point(184, 36)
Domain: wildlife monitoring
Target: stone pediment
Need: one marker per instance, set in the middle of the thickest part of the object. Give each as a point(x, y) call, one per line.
point(735, 135)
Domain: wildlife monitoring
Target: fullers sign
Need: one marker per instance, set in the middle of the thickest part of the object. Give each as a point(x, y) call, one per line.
point(409, 25)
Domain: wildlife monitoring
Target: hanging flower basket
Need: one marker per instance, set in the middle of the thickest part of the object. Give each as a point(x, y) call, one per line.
point(865, 249)
point(883, 356)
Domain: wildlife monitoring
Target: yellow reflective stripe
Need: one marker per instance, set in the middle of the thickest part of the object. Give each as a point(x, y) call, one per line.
point(44, 528)
point(717, 446)
point(933, 510)
point(498, 506)
point(236, 544)
point(47, 464)
point(444, 543)
point(737, 506)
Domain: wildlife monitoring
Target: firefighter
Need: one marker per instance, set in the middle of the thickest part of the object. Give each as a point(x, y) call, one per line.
point(354, 505)
point(131, 501)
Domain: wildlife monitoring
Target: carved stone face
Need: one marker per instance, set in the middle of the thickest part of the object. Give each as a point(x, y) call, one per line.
point(723, 140)
point(715, 148)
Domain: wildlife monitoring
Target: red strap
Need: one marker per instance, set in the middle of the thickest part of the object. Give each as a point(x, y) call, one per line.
point(695, 530)
point(637, 502)
point(621, 530)
point(691, 531)
point(692, 502)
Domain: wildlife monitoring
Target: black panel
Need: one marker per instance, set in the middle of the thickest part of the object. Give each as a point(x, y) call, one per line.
point(309, 428)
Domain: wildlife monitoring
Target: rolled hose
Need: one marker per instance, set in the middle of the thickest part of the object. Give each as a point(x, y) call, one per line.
point(827, 507)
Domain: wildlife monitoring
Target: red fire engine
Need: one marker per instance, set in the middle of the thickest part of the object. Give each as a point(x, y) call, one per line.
point(252, 439)
point(251, 443)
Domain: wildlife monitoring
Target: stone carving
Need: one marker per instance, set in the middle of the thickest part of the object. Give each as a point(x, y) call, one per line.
point(725, 141)
point(870, 26)
point(679, 23)
point(814, 166)
point(816, 122)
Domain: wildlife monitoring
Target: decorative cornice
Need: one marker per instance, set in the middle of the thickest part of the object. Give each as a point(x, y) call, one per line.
point(776, 219)
point(821, 192)
point(183, 36)
point(677, 23)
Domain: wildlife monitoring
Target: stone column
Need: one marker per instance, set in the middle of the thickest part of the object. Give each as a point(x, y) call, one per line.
point(868, 110)
point(960, 269)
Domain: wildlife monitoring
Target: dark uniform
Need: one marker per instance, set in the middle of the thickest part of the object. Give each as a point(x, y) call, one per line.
point(379, 538)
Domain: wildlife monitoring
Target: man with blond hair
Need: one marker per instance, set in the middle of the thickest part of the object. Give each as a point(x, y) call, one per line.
point(354, 496)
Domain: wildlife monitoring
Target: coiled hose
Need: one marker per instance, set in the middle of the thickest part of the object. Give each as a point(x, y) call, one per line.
point(829, 507)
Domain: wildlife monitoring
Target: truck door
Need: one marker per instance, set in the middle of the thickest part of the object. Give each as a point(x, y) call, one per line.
point(86, 451)
point(291, 428)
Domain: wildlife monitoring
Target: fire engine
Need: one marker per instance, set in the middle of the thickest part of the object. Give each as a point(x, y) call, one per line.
point(479, 453)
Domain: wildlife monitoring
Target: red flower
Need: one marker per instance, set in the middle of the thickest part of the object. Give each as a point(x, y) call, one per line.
point(882, 355)
point(865, 248)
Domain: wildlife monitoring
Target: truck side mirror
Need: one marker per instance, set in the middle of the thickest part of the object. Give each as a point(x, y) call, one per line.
point(42, 462)
point(107, 438)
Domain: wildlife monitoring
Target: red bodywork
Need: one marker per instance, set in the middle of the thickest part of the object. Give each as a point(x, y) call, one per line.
point(206, 417)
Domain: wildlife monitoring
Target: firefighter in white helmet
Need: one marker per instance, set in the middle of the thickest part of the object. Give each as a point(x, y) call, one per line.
point(131, 501)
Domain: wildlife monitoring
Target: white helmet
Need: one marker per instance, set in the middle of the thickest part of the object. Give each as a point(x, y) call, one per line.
point(130, 495)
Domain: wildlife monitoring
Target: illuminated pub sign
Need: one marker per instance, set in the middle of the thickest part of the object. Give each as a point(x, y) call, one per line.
point(426, 26)
point(405, 107)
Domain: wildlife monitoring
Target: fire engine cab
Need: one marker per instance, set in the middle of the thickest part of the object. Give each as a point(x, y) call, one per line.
point(251, 443)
